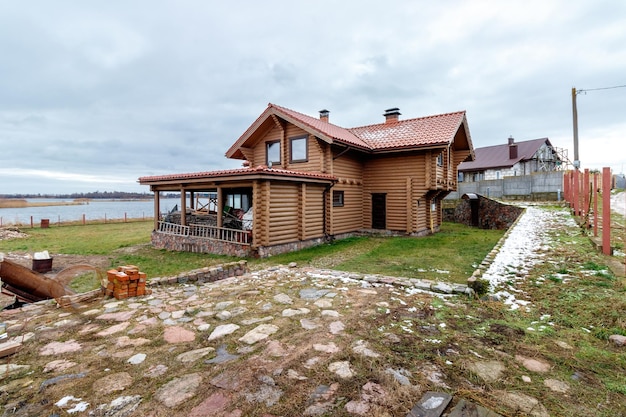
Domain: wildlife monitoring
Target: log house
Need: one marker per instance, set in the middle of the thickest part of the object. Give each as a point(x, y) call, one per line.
point(306, 181)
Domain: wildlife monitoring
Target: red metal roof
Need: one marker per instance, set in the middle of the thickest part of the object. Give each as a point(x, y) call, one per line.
point(497, 156)
point(239, 171)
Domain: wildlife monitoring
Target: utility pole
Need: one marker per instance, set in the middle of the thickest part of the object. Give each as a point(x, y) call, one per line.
point(575, 119)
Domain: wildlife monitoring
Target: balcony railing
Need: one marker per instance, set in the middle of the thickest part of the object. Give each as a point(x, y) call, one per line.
point(223, 234)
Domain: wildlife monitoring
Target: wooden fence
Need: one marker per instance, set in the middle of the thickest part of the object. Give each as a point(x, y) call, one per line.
point(583, 190)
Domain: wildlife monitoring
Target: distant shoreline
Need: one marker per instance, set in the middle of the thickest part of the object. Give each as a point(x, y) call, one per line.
point(21, 203)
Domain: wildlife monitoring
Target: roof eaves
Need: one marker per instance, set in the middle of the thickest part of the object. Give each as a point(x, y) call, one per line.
point(251, 129)
point(241, 172)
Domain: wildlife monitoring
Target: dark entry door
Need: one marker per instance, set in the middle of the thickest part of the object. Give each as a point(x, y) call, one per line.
point(379, 211)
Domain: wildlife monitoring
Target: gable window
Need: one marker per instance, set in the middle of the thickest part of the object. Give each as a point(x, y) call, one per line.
point(299, 149)
point(337, 198)
point(273, 153)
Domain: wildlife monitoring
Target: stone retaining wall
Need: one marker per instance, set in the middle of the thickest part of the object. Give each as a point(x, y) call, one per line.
point(206, 274)
point(491, 214)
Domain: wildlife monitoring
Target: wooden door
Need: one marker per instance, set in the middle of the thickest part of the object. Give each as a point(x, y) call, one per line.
point(379, 211)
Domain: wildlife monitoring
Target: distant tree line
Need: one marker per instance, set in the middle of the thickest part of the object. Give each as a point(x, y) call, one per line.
point(104, 195)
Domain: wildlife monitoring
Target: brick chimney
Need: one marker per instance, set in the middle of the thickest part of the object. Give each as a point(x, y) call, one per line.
point(391, 115)
point(512, 148)
point(324, 115)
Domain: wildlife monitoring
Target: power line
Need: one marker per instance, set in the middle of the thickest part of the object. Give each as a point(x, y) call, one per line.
point(600, 88)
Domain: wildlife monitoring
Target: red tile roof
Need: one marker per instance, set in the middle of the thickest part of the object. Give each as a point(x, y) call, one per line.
point(238, 172)
point(410, 133)
point(401, 134)
point(497, 156)
point(421, 132)
point(328, 129)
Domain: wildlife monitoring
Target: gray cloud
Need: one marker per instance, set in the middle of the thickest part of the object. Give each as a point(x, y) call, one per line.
point(115, 91)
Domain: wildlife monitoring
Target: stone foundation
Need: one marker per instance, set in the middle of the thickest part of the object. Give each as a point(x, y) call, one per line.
point(199, 245)
point(265, 251)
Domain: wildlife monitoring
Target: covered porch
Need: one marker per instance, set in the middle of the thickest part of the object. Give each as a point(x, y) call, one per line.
point(225, 212)
point(209, 218)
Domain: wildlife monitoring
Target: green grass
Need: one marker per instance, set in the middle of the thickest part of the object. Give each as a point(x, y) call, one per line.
point(158, 262)
point(450, 255)
point(90, 239)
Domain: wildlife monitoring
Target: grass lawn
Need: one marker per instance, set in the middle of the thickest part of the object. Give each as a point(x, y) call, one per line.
point(450, 255)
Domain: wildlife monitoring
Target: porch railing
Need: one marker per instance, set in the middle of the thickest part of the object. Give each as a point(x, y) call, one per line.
point(207, 232)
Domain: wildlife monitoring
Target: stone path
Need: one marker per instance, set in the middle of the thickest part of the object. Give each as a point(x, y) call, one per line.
point(278, 342)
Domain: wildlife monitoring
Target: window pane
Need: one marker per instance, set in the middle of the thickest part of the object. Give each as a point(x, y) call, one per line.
point(337, 198)
point(273, 153)
point(298, 149)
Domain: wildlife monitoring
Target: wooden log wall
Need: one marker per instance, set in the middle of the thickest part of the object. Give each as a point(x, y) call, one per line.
point(283, 213)
point(348, 168)
point(312, 209)
point(259, 150)
point(402, 179)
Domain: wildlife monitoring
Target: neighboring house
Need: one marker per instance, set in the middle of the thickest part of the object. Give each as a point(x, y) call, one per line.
point(511, 160)
point(306, 180)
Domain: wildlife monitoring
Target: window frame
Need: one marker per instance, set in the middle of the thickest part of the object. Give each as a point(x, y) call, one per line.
point(268, 144)
point(306, 149)
point(340, 200)
point(440, 159)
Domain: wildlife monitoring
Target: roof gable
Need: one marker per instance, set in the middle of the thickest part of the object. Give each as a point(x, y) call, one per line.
point(438, 130)
point(497, 156)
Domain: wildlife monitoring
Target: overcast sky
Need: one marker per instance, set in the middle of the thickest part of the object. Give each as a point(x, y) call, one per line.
point(94, 95)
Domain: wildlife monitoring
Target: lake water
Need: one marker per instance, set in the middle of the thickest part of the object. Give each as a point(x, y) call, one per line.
point(94, 210)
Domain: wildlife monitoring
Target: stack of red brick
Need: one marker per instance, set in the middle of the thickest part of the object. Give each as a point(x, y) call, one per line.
point(126, 281)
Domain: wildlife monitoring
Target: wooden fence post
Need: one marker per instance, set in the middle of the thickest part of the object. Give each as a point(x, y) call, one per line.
point(575, 196)
point(606, 211)
point(595, 205)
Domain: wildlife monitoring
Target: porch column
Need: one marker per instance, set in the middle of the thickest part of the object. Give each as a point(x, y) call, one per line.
point(256, 217)
point(183, 206)
point(192, 201)
point(157, 209)
point(220, 207)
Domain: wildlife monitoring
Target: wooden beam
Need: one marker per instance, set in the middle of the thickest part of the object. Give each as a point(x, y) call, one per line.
point(265, 239)
point(220, 207)
point(256, 213)
point(157, 209)
point(183, 206)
